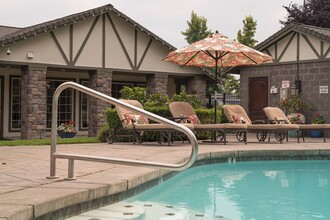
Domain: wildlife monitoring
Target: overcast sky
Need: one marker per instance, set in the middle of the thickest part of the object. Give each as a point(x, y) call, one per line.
point(164, 18)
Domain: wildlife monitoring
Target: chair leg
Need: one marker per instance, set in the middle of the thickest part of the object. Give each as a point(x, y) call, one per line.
point(287, 136)
point(303, 136)
point(324, 136)
point(224, 136)
point(298, 136)
point(134, 136)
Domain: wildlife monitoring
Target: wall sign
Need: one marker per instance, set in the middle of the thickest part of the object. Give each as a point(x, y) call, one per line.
point(286, 84)
point(323, 89)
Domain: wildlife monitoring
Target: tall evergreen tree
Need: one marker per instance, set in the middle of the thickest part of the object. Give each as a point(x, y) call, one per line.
point(312, 12)
point(246, 36)
point(197, 29)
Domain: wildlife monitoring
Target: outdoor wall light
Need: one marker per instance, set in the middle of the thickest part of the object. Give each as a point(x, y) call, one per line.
point(8, 52)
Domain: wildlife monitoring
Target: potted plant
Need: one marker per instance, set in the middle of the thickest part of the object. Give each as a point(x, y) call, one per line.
point(295, 119)
point(293, 106)
point(319, 119)
point(67, 130)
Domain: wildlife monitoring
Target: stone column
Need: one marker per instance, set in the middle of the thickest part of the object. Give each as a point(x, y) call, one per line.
point(197, 85)
point(157, 83)
point(101, 81)
point(33, 102)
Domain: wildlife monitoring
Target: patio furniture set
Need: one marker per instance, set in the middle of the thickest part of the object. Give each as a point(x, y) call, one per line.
point(183, 113)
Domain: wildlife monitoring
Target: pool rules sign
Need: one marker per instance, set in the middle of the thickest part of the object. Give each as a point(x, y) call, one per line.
point(323, 89)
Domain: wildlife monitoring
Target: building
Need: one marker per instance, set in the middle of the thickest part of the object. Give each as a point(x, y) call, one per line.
point(101, 48)
point(301, 62)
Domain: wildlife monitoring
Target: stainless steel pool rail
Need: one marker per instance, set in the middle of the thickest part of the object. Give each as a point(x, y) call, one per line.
point(71, 157)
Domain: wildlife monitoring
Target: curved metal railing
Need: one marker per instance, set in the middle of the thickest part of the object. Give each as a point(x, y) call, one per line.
point(71, 157)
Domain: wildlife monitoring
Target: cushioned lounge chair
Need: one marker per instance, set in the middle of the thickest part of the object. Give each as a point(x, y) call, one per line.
point(275, 113)
point(186, 113)
point(237, 114)
point(138, 124)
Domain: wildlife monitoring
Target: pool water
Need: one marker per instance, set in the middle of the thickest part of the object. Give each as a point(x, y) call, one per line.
point(248, 190)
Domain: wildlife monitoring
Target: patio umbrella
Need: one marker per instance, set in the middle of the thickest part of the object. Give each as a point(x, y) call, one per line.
point(217, 51)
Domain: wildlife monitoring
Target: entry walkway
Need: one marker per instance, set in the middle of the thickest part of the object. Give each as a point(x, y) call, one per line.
point(25, 193)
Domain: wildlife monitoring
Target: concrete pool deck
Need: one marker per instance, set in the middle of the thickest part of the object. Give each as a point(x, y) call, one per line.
point(26, 193)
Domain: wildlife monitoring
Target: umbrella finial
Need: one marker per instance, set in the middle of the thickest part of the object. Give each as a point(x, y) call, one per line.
point(217, 32)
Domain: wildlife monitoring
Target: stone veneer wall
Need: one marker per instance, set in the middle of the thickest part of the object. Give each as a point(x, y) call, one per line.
point(157, 83)
point(197, 85)
point(100, 81)
point(33, 102)
point(311, 74)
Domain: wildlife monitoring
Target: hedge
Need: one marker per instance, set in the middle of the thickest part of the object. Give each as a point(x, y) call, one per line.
point(205, 116)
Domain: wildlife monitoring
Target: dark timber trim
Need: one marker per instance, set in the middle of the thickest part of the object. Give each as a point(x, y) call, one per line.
point(311, 46)
point(135, 47)
point(144, 54)
point(59, 47)
point(286, 47)
point(71, 43)
point(120, 41)
point(86, 39)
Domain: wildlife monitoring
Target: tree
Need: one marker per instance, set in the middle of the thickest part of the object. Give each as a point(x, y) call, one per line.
point(232, 85)
point(246, 36)
point(312, 12)
point(197, 29)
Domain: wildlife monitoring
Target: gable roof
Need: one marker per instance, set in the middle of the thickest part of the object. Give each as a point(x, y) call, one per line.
point(10, 35)
point(5, 30)
point(322, 33)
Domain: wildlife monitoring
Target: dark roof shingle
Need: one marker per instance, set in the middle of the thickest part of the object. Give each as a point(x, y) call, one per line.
point(12, 35)
point(322, 33)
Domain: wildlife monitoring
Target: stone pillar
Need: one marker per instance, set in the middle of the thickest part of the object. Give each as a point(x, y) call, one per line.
point(197, 85)
point(33, 102)
point(101, 81)
point(157, 83)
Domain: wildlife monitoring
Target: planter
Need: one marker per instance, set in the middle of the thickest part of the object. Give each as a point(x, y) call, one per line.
point(293, 134)
point(66, 135)
point(316, 133)
point(302, 117)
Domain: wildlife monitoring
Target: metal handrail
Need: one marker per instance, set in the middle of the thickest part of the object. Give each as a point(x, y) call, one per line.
point(106, 98)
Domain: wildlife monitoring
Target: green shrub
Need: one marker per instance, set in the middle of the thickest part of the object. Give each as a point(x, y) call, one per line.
point(190, 98)
point(135, 93)
point(205, 115)
point(157, 100)
point(102, 132)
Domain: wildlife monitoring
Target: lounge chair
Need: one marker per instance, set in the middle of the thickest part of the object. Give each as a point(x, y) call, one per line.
point(275, 113)
point(237, 114)
point(186, 113)
point(138, 124)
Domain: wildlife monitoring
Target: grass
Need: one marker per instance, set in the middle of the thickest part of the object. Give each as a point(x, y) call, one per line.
point(47, 141)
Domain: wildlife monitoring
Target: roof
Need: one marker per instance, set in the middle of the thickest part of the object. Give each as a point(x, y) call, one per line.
point(322, 33)
point(5, 30)
point(10, 35)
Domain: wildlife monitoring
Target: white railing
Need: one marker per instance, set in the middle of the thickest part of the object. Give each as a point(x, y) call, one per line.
point(71, 157)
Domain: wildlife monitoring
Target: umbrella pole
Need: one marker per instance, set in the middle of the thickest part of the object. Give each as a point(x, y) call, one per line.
point(214, 136)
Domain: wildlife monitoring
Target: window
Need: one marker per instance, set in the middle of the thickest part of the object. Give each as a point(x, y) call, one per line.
point(84, 107)
point(15, 104)
point(117, 86)
point(65, 103)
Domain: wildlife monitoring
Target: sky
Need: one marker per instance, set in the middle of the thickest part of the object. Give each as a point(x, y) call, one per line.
point(167, 19)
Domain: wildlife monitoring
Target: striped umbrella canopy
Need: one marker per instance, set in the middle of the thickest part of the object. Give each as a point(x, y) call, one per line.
point(216, 51)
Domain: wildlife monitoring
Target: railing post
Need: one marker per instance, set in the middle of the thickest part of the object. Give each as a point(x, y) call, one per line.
point(71, 169)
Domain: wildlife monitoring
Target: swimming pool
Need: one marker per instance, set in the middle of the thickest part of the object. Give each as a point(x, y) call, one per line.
point(244, 190)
